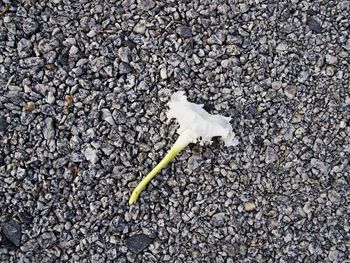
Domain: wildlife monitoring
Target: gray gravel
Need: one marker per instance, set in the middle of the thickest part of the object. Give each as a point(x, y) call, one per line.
point(83, 93)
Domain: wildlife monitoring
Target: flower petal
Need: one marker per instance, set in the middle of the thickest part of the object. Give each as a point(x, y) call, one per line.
point(192, 117)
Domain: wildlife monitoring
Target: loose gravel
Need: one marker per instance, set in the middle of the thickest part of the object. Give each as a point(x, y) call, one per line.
point(83, 93)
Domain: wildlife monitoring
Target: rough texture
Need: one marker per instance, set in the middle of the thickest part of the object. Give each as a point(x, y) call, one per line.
point(138, 243)
point(83, 89)
point(11, 231)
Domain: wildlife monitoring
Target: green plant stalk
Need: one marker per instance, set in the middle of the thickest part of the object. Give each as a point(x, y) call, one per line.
point(168, 157)
point(179, 145)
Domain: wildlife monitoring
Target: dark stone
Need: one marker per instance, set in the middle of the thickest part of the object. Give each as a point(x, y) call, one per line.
point(314, 25)
point(129, 44)
point(124, 68)
point(168, 189)
point(208, 107)
point(3, 34)
point(48, 110)
point(2, 161)
point(3, 124)
point(184, 31)
point(312, 12)
point(25, 217)
point(12, 231)
point(63, 59)
point(138, 243)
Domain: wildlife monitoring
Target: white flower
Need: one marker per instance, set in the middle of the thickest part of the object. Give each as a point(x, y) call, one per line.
point(197, 124)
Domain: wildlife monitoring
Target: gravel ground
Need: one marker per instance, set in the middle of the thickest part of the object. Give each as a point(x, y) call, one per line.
point(83, 93)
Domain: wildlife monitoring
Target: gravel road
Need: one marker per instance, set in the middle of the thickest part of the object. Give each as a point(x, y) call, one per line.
point(83, 93)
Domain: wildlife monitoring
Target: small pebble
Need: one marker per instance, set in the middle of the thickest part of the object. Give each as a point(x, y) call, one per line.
point(290, 91)
point(281, 47)
point(137, 243)
point(91, 155)
point(49, 130)
point(12, 231)
point(249, 206)
point(163, 73)
point(314, 25)
point(270, 155)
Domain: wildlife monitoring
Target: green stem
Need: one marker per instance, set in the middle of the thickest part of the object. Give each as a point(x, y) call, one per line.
point(168, 157)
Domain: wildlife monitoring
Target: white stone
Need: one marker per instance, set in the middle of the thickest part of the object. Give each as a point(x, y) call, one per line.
point(290, 91)
point(73, 51)
point(270, 155)
point(140, 27)
point(281, 47)
point(249, 206)
point(225, 63)
point(196, 59)
point(91, 155)
point(307, 208)
point(107, 116)
point(163, 73)
point(331, 60)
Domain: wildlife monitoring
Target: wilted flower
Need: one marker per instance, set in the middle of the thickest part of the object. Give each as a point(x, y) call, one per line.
point(196, 124)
